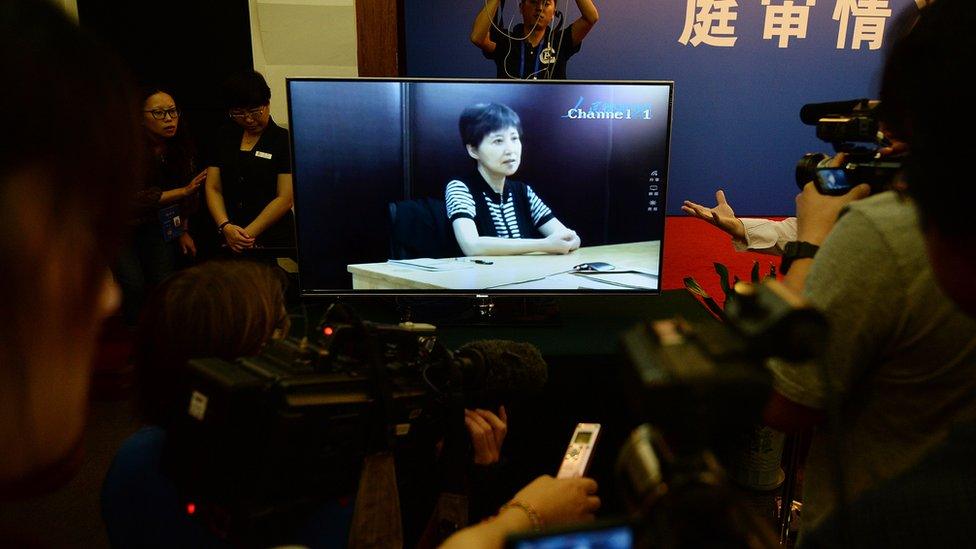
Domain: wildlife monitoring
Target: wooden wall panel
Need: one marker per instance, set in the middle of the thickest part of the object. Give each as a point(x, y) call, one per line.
point(379, 31)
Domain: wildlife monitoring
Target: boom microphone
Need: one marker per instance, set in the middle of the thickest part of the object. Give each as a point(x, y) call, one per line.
point(811, 113)
point(498, 370)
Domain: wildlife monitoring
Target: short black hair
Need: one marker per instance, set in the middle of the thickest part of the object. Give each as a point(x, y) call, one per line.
point(246, 90)
point(927, 102)
point(479, 120)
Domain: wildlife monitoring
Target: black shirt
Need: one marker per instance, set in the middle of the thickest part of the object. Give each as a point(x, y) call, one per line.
point(249, 179)
point(519, 59)
point(166, 171)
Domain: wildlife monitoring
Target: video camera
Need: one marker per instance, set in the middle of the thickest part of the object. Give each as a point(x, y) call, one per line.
point(262, 438)
point(696, 389)
point(850, 127)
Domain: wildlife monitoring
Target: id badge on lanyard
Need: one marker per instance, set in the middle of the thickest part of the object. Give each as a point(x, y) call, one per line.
point(172, 223)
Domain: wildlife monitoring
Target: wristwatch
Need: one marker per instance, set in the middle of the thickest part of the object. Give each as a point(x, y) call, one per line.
point(220, 228)
point(796, 250)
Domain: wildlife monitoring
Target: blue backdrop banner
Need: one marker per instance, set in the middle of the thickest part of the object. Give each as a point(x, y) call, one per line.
point(742, 70)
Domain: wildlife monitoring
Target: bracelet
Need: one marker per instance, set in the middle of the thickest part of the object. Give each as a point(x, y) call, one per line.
point(220, 228)
point(537, 524)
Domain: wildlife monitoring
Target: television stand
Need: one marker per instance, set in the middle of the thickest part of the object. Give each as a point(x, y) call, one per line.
point(480, 310)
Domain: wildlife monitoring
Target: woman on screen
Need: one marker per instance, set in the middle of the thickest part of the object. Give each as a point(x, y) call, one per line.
point(490, 214)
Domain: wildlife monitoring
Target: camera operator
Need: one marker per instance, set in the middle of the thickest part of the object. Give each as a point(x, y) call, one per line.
point(225, 309)
point(930, 503)
point(232, 309)
point(900, 366)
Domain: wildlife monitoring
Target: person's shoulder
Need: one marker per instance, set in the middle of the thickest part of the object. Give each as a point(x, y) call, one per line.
point(276, 132)
point(888, 213)
point(146, 444)
point(876, 239)
point(886, 203)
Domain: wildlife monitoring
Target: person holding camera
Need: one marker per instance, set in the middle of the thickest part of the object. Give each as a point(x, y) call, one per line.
point(899, 368)
point(225, 309)
point(926, 70)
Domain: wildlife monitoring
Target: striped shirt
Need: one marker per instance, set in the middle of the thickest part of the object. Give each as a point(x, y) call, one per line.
point(515, 213)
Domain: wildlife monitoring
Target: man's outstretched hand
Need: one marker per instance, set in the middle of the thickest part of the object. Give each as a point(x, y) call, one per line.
point(721, 215)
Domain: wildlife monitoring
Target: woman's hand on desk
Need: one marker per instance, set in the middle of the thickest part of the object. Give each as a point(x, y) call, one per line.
point(562, 242)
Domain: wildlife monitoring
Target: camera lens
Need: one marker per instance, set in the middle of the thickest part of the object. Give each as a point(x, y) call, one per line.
point(806, 168)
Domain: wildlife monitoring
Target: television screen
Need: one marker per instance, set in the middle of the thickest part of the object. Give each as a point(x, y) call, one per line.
point(479, 186)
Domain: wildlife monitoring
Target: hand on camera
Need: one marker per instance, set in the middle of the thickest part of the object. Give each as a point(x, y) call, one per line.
point(721, 215)
point(561, 501)
point(817, 213)
point(487, 432)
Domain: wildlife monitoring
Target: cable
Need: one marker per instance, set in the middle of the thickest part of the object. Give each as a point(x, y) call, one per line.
point(559, 44)
point(503, 33)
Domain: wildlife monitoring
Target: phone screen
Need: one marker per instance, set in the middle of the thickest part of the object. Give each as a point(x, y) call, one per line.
point(832, 181)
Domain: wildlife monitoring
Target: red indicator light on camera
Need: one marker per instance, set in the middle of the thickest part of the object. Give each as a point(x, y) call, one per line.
point(191, 508)
point(328, 330)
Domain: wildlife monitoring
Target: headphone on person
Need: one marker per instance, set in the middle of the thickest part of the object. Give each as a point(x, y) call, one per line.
point(548, 56)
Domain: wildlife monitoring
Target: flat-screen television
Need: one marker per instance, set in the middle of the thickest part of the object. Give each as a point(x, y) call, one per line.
point(479, 186)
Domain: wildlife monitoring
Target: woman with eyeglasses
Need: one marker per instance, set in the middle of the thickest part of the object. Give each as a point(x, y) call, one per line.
point(168, 196)
point(249, 190)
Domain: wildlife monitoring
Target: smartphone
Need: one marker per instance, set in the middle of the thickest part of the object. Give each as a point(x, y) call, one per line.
point(580, 451)
point(833, 181)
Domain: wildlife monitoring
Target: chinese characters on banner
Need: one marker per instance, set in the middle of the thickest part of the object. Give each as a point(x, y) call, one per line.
point(859, 22)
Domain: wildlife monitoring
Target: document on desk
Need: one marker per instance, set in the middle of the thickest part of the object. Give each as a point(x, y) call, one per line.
point(432, 265)
point(622, 279)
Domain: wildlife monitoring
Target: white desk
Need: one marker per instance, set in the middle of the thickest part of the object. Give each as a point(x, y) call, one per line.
point(529, 272)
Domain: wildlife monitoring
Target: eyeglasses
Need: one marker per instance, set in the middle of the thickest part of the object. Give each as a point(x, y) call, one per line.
point(241, 114)
point(161, 114)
